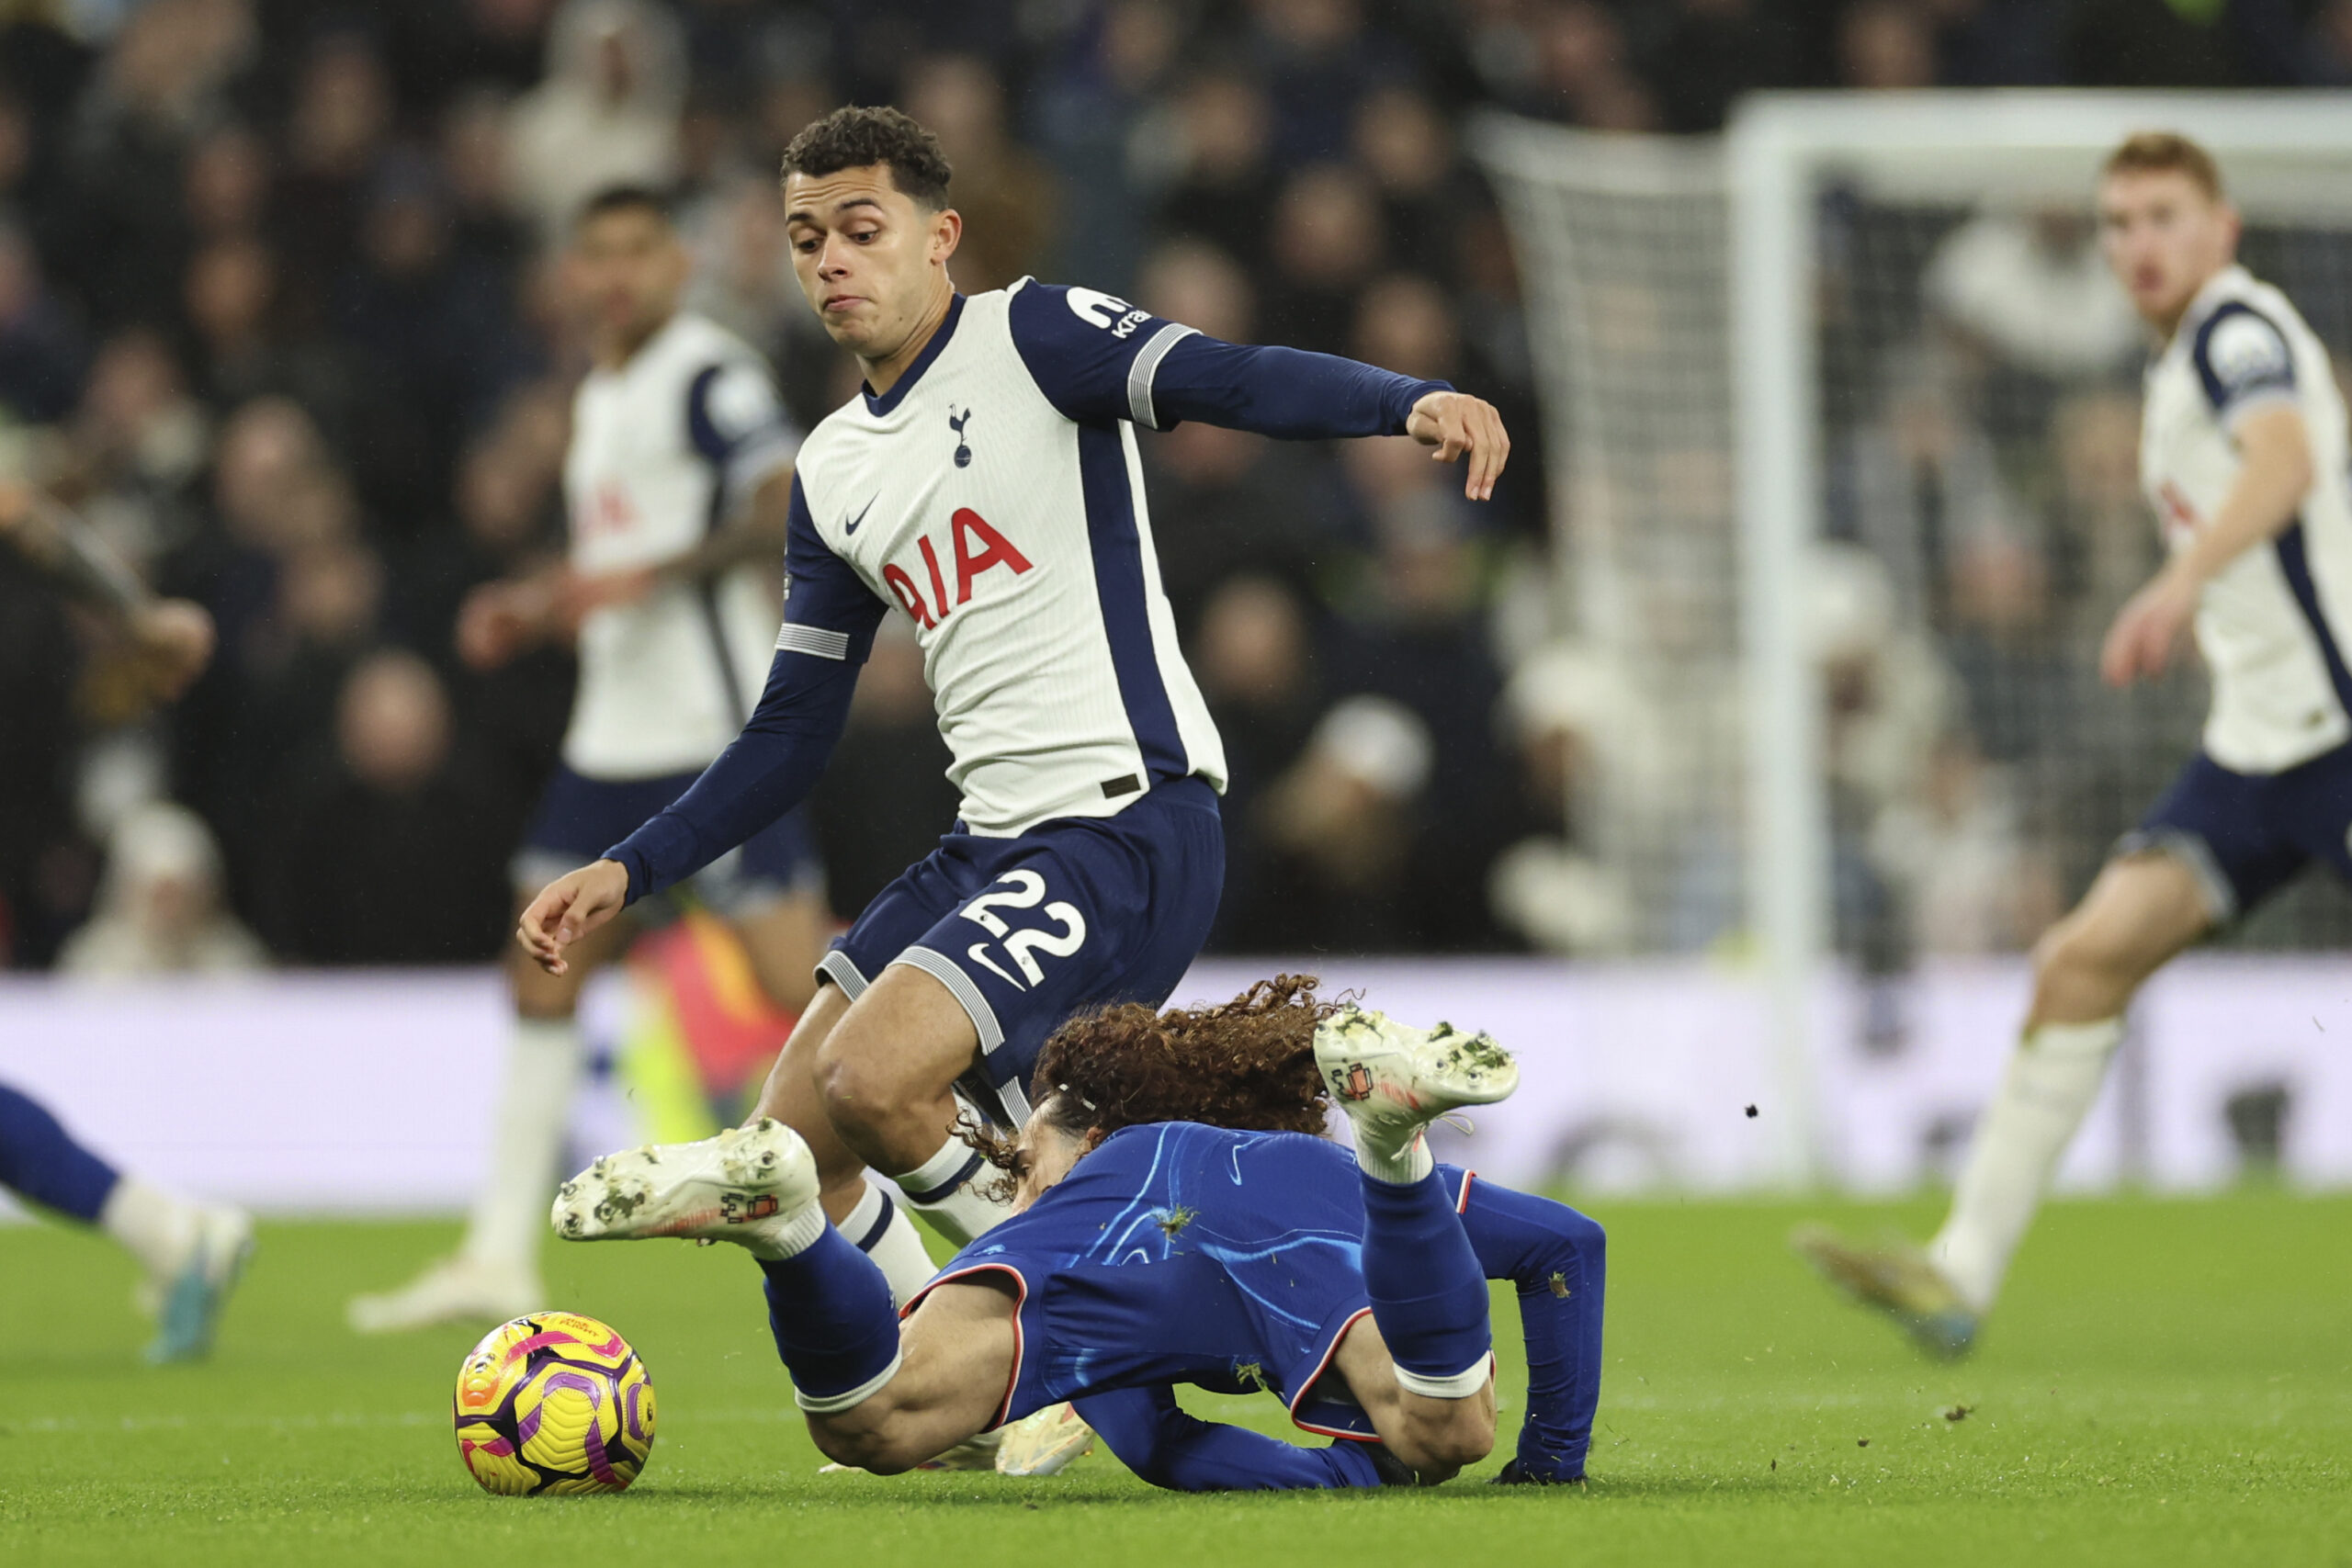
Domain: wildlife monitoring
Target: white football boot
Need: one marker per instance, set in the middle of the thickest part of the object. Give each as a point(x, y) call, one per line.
point(188, 1304)
point(1044, 1442)
point(1896, 1278)
point(1393, 1080)
point(457, 1289)
point(750, 1185)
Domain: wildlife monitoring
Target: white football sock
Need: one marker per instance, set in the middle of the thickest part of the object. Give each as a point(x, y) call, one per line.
point(882, 1229)
point(941, 1189)
point(965, 1214)
point(2051, 1079)
point(510, 1211)
point(1400, 1167)
point(158, 1228)
point(780, 1236)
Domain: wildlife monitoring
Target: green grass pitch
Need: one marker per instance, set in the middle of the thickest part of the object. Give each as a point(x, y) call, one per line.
point(2169, 1383)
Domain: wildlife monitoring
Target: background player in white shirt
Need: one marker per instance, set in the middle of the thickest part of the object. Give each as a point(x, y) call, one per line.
point(2243, 456)
point(985, 484)
point(677, 489)
point(192, 1252)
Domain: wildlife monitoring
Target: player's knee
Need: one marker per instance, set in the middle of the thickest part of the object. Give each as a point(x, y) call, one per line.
point(858, 1083)
point(1456, 1442)
point(2082, 973)
point(1467, 1442)
point(871, 1436)
point(866, 1447)
point(552, 1002)
point(1583, 1239)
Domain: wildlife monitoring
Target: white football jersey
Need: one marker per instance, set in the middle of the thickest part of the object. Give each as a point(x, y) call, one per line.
point(994, 497)
point(2272, 625)
point(664, 449)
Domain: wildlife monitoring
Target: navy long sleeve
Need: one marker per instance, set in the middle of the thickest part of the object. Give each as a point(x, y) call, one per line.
point(1099, 359)
point(1168, 1447)
point(1284, 392)
point(769, 769)
point(1557, 1259)
point(829, 619)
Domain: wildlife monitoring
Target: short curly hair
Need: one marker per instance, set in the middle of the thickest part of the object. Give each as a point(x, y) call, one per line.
point(855, 137)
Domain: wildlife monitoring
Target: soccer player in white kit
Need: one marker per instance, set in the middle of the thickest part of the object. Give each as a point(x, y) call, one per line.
point(986, 485)
point(677, 489)
point(2243, 457)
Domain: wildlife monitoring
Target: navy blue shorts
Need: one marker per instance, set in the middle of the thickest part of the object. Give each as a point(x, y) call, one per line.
point(579, 819)
point(1077, 912)
point(2246, 835)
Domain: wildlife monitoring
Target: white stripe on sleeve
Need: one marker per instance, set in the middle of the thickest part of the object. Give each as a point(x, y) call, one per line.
point(814, 641)
point(1145, 367)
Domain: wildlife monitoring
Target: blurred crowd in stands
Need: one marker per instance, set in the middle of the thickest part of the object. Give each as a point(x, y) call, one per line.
point(283, 313)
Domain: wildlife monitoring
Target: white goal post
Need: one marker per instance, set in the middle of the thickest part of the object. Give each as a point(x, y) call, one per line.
point(1589, 213)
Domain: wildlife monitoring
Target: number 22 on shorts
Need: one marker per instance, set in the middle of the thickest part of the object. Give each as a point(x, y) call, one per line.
point(1025, 889)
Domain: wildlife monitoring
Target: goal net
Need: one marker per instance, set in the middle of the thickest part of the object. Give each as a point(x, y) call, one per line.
point(1842, 412)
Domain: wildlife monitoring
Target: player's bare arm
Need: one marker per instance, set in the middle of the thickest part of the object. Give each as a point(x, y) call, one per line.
point(2166, 235)
point(2269, 492)
point(503, 619)
point(173, 637)
point(757, 532)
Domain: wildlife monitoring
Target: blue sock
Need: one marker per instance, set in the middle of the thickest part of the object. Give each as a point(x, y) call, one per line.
point(835, 1327)
point(1558, 1258)
point(1167, 1447)
point(1429, 1295)
point(42, 1161)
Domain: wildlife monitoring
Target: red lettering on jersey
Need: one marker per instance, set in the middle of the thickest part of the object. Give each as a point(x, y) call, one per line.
point(996, 551)
point(978, 548)
point(909, 597)
point(938, 587)
point(609, 510)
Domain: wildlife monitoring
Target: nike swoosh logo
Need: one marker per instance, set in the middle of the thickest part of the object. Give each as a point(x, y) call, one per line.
point(851, 527)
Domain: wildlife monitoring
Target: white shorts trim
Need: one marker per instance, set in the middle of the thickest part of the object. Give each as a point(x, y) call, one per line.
point(2190, 851)
point(942, 968)
point(842, 970)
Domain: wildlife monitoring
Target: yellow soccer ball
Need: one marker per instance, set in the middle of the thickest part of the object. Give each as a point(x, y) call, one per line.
point(554, 1403)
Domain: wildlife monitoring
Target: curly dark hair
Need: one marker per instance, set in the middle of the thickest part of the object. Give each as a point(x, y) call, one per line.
point(1248, 1063)
point(854, 137)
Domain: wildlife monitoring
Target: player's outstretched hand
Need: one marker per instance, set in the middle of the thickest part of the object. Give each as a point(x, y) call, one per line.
point(582, 593)
point(1458, 425)
point(491, 626)
point(568, 909)
point(2140, 643)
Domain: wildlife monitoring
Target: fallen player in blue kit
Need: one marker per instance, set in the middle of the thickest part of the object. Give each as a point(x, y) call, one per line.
point(1179, 1220)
